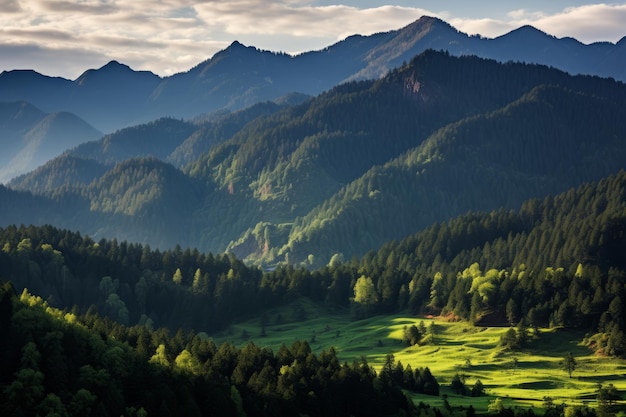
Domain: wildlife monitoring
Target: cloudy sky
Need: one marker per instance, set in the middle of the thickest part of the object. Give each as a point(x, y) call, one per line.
point(66, 37)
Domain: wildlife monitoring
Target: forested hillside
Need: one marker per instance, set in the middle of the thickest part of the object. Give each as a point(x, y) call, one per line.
point(535, 146)
point(496, 155)
point(61, 363)
point(555, 262)
point(167, 139)
point(344, 172)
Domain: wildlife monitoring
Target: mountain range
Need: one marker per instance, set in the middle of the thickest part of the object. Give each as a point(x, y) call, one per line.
point(303, 182)
point(115, 96)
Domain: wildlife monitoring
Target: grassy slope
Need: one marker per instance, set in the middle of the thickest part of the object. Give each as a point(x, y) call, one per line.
point(538, 372)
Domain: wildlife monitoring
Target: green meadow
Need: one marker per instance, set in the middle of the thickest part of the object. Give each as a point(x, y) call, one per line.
point(520, 378)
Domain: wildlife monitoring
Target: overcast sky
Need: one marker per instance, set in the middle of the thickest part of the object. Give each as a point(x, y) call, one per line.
point(65, 38)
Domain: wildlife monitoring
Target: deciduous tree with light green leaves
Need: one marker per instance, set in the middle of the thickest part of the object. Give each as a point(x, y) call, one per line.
point(178, 277)
point(160, 356)
point(186, 362)
point(365, 296)
point(364, 291)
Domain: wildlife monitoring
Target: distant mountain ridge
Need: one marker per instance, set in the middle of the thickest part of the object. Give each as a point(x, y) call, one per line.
point(29, 137)
point(115, 96)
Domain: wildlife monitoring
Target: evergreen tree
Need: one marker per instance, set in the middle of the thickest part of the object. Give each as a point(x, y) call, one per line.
point(569, 364)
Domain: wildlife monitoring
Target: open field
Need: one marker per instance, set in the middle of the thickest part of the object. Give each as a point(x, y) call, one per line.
point(520, 378)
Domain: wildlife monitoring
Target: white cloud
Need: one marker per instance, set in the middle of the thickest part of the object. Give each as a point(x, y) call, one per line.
point(591, 23)
point(276, 18)
point(10, 6)
point(489, 28)
point(83, 7)
point(523, 14)
point(167, 36)
point(588, 23)
point(47, 60)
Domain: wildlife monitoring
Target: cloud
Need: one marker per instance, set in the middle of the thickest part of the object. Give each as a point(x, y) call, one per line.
point(54, 36)
point(588, 23)
point(591, 23)
point(10, 6)
point(41, 35)
point(278, 18)
point(64, 37)
point(489, 28)
point(58, 62)
point(85, 7)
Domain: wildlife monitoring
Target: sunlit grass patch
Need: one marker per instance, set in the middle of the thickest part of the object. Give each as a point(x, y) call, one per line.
point(520, 378)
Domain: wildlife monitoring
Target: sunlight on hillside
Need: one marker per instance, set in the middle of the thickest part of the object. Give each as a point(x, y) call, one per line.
point(520, 378)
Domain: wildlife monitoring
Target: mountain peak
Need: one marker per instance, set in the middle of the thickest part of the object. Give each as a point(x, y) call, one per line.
point(236, 45)
point(431, 19)
point(235, 49)
point(114, 65)
point(526, 31)
point(111, 69)
point(238, 48)
point(423, 28)
point(427, 23)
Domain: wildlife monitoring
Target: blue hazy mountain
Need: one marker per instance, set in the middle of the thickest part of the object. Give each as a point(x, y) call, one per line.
point(176, 141)
point(116, 96)
point(30, 137)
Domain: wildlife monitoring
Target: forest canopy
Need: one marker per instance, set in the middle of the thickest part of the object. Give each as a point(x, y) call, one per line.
point(555, 262)
point(54, 362)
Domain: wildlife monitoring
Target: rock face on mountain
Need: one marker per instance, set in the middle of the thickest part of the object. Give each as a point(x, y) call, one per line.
point(115, 96)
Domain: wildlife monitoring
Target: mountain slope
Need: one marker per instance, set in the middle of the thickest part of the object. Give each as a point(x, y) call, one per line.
point(114, 96)
point(142, 200)
point(30, 137)
point(402, 45)
point(555, 262)
point(166, 139)
point(63, 172)
point(48, 93)
point(157, 139)
point(545, 142)
point(309, 155)
point(110, 97)
point(145, 200)
point(345, 131)
point(221, 127)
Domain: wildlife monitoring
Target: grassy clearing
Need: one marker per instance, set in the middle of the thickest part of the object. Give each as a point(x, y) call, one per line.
point(521, 378)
